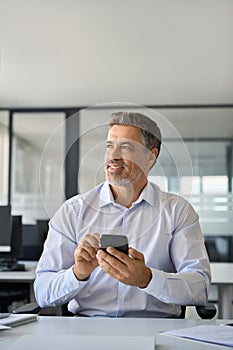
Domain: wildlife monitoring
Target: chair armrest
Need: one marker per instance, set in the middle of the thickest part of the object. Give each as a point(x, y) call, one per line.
point(207, 311)
point(31, 308)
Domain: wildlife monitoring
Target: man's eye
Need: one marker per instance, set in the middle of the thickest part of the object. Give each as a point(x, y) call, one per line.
point(126, 147)
point(108, 146)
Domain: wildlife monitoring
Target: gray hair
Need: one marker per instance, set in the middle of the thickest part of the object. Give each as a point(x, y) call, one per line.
point(150, 130)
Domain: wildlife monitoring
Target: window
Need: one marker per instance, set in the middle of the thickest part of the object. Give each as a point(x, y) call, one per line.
point(215, 184)
point(37, 165)
point(4, 157)
point(190, 185)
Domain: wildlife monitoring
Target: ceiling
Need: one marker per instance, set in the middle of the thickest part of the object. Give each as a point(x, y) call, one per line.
point(59, 53)
point(85, 52)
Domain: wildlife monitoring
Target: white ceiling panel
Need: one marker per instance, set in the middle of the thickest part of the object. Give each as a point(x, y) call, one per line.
point(83, 52)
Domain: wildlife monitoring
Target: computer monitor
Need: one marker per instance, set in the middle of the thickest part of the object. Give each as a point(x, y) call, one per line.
point(16, 243)
point(5, 229)
point(33, 239)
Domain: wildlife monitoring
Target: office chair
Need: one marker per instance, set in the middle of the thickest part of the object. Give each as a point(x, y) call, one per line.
point(34, 308)
point(207, 311)
point(13, 292)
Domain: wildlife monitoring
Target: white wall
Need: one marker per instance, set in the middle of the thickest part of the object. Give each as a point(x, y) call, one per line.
point(75, 52)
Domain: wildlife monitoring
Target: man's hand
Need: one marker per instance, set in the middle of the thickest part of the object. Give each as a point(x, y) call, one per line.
point(130, 270)
point(85, 256)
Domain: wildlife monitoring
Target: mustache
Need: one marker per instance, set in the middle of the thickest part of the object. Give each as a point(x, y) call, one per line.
point(116, 162)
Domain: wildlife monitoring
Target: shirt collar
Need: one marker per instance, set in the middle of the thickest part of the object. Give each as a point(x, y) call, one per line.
point(106, 195)
point(146, 195)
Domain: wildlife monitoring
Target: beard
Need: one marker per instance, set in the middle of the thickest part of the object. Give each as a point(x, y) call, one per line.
point(112, 180)
point(123, 176)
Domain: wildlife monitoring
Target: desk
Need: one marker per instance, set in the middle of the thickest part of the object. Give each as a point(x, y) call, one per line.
point(222, 276)
point(80, 333)
point(27, 276)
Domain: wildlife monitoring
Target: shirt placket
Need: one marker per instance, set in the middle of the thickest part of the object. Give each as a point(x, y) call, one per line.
point(121, 286)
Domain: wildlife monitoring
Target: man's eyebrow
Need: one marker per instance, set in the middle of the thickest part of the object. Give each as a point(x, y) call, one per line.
point(121, 142)
point(127, 143)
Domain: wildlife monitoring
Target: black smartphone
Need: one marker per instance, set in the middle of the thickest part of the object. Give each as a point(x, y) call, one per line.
point(116, 241)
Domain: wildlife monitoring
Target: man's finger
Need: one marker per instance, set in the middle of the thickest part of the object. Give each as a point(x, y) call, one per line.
point(87, 252)
point(135, 254)
point(91, 240)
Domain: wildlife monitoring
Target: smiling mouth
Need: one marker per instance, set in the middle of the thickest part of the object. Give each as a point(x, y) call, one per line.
point(114, 167)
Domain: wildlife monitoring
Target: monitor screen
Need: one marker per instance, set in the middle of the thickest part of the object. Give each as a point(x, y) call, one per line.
point(5, 228)
point(16, 243)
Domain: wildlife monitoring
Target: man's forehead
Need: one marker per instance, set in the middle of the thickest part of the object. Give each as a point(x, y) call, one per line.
point(125, 133)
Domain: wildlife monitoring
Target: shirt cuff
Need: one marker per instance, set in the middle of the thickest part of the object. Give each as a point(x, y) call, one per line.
point(156, 284)
point(71, 281)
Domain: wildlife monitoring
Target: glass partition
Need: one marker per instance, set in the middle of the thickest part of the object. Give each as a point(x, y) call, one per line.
point(37, 165)
point(196, 161)
point(197, 145)
point(4, 156)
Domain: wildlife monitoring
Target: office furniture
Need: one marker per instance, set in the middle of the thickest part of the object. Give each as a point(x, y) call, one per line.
point(100, 333)
point(43, 227)
point(169, 342)
point(222, 276)
point(219, 235)
point(219, 248)
point(5, 233)
point(205, 312)
point(9, 260)
point(33, 240)
point(12, 292)
point(25, 277)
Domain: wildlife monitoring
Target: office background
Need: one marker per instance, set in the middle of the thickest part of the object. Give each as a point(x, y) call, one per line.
point(66, 65)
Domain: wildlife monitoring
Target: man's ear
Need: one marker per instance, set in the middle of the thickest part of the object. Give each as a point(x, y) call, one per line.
point(153, 155)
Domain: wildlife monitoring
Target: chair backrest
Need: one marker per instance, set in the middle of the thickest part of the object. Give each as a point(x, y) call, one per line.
point(183, 311)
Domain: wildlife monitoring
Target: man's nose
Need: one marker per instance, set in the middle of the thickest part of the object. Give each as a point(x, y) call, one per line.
point(115, 153)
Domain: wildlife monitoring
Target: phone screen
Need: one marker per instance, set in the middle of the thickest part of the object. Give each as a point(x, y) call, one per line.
point(116, 241)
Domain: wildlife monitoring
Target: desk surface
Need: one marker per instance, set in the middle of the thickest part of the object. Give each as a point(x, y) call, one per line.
point(20, 276)
point(98, 333)
point(222, 273)
point(27, 276)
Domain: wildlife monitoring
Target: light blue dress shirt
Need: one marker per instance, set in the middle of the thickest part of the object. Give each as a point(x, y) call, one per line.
point(163, 226)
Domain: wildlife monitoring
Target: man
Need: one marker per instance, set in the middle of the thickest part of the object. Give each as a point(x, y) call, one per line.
point(167, 264)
